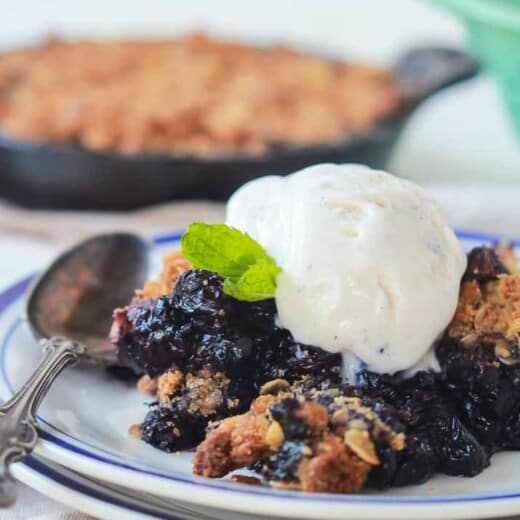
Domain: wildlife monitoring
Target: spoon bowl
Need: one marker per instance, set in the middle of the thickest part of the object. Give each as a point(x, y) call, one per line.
point(76, 295)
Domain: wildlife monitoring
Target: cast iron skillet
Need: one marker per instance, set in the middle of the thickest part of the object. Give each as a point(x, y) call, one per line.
point(66, 176)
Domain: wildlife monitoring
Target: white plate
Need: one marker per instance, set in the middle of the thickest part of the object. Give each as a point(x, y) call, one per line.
point(85, 418)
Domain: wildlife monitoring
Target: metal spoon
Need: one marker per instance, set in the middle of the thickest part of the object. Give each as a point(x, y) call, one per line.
point(69, 308)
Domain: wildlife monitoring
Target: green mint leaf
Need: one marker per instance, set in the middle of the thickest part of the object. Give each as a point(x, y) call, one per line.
point(220, 248)
point(257, 283)
point(249, 272)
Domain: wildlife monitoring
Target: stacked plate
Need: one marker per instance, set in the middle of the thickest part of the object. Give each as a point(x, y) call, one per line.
point(87, 460)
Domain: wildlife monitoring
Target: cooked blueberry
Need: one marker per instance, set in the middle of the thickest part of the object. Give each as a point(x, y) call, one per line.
point(284, 413)
point(459, 451)
point(201, 292)
point(485, 391)
point(226, 354)
point(413, 465)
point(284, 464)
point(417, 462)
point(483, 265)
point(169, 430)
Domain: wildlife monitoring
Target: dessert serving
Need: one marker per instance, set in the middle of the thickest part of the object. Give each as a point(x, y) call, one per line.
point(331, 336)
point(189, 96)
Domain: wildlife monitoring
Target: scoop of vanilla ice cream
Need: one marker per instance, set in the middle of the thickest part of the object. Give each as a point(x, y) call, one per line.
point(370, 267)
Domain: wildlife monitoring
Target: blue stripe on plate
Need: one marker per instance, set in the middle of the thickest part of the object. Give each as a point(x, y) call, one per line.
point(485, 237)
point(166, 239)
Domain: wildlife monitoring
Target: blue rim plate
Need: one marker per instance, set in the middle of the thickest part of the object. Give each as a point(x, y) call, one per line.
point(84, 422)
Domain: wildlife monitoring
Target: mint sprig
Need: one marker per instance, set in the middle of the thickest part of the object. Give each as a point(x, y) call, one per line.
point(249, 272)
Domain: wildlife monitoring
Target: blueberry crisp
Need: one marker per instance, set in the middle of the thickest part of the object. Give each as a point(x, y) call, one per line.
point(225, 378)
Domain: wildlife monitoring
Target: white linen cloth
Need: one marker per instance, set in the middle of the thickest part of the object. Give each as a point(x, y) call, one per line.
point(32, 238)
point(35, 506)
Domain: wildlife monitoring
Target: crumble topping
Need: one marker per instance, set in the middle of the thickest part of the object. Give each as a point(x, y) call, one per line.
point(136, 431)
point(187, 96)
point(235, 442)
point(246, 479)
point(507, 256)
point(205, 391)
point(298, 442)
point(121, 326)
point(200, 393)
point(489, 301)
point(168, 384)
point(147, 385)
point(173, 265)
point(332, 468)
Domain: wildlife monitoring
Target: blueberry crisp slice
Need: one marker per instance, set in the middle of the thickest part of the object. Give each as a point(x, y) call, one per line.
point(225, 378)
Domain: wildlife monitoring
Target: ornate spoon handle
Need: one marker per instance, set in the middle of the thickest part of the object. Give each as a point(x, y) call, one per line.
point(18, 433)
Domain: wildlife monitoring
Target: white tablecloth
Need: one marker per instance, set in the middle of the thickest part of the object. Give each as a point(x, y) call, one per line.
point(35, 506)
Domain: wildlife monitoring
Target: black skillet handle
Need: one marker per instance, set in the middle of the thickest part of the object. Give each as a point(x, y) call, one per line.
point(426, 70)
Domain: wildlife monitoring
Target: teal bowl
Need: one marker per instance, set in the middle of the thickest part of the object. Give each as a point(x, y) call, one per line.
point(494, 35)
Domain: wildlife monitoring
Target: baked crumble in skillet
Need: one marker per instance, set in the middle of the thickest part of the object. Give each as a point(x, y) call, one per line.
point(68, 176)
